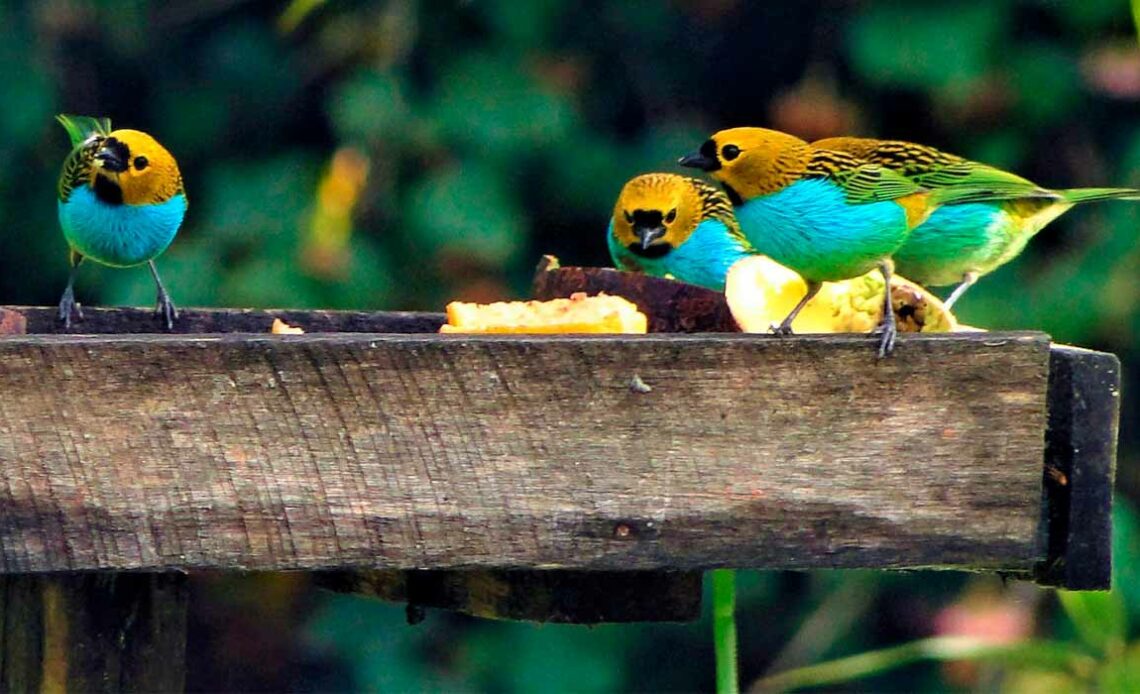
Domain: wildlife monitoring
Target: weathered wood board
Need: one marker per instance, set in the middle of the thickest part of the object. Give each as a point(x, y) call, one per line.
point(38, 320)
point(427, 451)
point(1080, 467)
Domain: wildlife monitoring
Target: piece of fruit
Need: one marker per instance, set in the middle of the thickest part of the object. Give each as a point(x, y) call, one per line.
point(280, 327)
point(760, 292)
point(578, 314)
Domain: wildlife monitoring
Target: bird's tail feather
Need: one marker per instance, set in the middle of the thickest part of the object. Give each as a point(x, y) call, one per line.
point(953, 195)
point(79, 128)
point(1079, 195)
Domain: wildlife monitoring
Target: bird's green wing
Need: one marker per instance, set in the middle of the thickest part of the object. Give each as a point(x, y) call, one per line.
point(77, 166)
point(79, 128)
point(861, 182)
point(968, 174)
point(932, 168)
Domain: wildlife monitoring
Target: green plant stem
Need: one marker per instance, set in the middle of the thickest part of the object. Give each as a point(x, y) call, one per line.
point(1136, 15)
point(1039, 654)
point(724, 630)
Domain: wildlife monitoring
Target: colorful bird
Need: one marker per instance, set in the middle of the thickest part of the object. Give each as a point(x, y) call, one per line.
point(825, 214)
point(960, 243)
point(121, 201)
point(675, 226)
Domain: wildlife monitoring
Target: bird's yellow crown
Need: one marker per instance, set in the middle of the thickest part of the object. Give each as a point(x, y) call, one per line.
point(673, 204)
point(752, 162)
point(139, 166)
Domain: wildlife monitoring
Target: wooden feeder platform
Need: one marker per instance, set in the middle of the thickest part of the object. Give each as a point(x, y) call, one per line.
point(565, 478)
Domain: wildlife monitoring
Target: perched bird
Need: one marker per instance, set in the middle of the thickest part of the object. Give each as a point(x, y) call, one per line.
point(960, 243)
point(121, 201)
point(674, 226)
point(825, 214)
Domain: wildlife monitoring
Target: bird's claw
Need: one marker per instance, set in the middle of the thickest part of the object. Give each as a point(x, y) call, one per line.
point(165, 309)
point(887, 343)
point(781, 329)
point(888, 334)
point(69, 307)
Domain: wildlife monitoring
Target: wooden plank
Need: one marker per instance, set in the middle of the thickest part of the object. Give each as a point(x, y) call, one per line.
point(573, 597)
point(93, 632)
point(1080, 459)
point(418, 451)
point(120, 321)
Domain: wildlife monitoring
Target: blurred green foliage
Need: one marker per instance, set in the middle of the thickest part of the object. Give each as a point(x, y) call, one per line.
point(1098, 648)
point(401, 153)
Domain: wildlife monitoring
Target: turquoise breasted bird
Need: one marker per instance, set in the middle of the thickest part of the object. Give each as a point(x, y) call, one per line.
point(669, 225)
point(960, 243)
point(121, 201)
point(825, 214)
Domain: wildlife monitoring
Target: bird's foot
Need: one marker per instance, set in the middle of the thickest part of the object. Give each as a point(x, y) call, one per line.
point(888, 333)
point(782, 329)
point(166, 310)
point(69, 307)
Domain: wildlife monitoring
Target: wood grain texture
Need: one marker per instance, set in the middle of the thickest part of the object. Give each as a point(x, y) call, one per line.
point(426, 451)
point(93, 632)
point(119, 321)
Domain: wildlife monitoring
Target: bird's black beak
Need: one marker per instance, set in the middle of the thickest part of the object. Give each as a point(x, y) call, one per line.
point(648, 235)
point(114, 155)
point(696, 160)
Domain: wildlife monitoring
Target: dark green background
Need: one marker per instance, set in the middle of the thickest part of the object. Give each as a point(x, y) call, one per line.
point(497, 130)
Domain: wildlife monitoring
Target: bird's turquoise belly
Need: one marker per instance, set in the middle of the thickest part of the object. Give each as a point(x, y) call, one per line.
point(703, 259)
point(811, 228)
point(973, 237)
point(119, 235)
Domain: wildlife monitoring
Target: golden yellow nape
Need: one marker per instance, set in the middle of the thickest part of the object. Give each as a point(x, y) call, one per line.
point(147, 174)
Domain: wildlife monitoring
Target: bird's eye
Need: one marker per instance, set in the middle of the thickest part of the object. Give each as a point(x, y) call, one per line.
point(669, 218)
point(628, 217)
point(141, 163)
point(730, 152)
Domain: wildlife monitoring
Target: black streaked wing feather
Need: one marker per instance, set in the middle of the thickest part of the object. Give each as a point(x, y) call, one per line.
point(932, 168)
point(862, 182)
point(716, 205)
point(77, 167)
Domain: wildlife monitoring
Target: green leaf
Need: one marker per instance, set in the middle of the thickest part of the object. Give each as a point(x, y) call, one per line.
point(1043, 655)
point(1099, 618)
